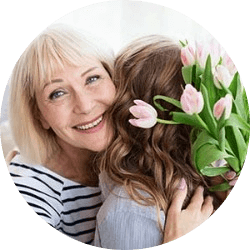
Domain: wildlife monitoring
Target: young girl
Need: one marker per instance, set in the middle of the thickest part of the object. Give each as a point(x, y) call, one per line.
point(145, 166)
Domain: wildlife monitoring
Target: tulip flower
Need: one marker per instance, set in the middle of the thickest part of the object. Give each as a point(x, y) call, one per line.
point(224, 104)
point(203, 50)
point(222, 76)
point(191, 100)
point(187, 55)
point(146, 115)
point(228, 63)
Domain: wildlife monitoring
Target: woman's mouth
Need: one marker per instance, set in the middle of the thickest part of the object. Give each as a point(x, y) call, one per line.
point(91, 127)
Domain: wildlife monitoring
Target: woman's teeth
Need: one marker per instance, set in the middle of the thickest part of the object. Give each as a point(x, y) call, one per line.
point(90, 125)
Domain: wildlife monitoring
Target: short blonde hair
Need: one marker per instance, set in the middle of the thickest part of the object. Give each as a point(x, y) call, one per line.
point(54, 48)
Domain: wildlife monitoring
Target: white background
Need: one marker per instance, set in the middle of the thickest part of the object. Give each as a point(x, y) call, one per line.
point(117, 22)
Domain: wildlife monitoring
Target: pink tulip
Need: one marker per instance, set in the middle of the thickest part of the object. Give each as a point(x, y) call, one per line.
point(211, 47)
point(191, 100)
point(228, 63)
point(225, 103)
point(146, 115)
point(222, 76)
point(187, 55)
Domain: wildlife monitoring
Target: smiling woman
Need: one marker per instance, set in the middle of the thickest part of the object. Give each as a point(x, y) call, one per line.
point(66, 73)
point(61, 88)
point(73, 105)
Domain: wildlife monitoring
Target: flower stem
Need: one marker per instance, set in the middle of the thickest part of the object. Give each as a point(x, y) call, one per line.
point(202, 123)
point(166, 121)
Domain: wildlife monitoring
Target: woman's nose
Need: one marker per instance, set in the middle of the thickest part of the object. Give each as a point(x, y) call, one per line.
point(83, 103)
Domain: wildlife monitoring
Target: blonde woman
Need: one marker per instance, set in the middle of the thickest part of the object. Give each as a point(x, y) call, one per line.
point(61, 88)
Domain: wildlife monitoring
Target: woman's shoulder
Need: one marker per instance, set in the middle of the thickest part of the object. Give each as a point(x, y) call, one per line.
point(37, 176)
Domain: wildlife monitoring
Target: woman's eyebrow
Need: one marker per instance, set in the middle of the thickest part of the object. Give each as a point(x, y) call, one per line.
point(52, 81)
point(61, 80)
point(56, 80)
point(87, 71)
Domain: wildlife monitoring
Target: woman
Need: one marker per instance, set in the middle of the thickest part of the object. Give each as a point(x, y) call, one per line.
point(144, 167)
point(61, 89)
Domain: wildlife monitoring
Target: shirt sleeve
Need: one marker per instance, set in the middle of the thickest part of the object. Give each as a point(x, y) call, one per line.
point(128, 230)
point(39, 196)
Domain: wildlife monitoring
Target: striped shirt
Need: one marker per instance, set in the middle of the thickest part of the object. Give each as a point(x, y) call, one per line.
point(64, 204)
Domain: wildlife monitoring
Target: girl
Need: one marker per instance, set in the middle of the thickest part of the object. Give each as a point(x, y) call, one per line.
point(144, 167)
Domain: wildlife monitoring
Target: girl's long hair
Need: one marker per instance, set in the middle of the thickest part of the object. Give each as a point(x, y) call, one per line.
point(153, 160)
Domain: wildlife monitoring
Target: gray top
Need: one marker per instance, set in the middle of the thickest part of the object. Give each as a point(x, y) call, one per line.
point(123, 223)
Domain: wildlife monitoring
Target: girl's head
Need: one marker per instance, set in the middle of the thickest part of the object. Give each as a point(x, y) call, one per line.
point(155, 159)
point(46, 105)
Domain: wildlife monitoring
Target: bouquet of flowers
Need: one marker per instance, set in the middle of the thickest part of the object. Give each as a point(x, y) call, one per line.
point(214, 104)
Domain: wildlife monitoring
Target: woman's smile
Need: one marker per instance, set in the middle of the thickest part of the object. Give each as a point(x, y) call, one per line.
point(91, 127)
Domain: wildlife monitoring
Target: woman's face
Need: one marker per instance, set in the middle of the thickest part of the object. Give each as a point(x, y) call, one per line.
point(73, 105)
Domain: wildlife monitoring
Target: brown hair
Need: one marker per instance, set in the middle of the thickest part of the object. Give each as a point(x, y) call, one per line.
point(153, 160)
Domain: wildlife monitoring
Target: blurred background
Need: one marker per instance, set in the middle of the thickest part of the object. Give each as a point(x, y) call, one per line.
point(117, 23)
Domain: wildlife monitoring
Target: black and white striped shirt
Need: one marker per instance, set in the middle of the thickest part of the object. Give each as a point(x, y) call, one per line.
point(66, 205)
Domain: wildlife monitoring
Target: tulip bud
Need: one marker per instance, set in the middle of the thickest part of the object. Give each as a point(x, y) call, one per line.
point(146, 114)
point(222, 76)
point(203, 50)
point(191, 100)
point(224, 104)
point(228, 63)
point(187, 56)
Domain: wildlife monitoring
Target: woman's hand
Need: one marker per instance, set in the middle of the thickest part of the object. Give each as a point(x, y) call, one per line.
point(180, 222)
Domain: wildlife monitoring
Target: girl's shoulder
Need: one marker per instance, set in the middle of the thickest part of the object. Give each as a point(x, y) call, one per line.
point(119, 202)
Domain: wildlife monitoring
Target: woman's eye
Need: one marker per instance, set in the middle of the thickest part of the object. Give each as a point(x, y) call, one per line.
point(92, 79)
point(56, 94)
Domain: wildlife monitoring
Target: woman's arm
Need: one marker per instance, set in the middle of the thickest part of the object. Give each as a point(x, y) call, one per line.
point(180, 222)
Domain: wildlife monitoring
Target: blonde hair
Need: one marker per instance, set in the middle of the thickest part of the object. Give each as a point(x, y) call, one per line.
point(54, 48)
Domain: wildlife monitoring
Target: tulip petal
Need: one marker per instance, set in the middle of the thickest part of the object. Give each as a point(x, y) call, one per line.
point(141, 112)
point(142, 103)
point(143, 123)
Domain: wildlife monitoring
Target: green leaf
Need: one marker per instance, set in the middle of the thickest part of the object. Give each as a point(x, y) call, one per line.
point(234, 163)
point(183, 44)
point(207, 114)
point(204, 138)
point(220, 187)
point(183, 118)
point(214, 171)
point(187, 73)
point(208, 81)
point(197, 75)
point(239, 95)
point(237, 121)
point(207, 154)
point(234, 85)
point(166, 99)
point(241, 145)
